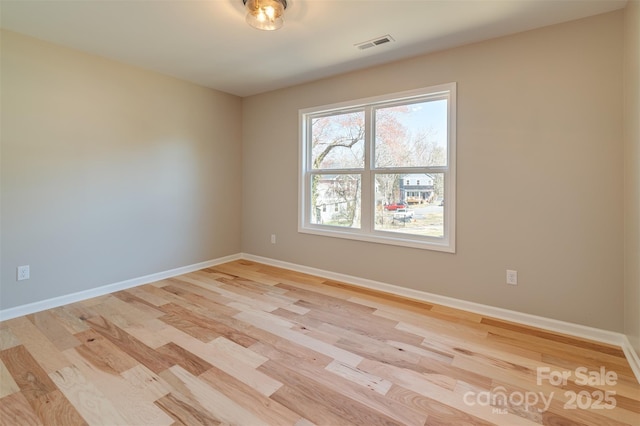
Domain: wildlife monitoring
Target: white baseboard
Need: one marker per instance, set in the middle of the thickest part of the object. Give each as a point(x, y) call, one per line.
point(576, 330)
point(632, 357)
point(30, 308)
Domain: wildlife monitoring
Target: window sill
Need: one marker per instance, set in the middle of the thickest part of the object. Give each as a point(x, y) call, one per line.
point(381, 237)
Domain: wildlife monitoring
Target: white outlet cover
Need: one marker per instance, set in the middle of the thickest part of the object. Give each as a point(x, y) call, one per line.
point(23, 272)
point(512, 277)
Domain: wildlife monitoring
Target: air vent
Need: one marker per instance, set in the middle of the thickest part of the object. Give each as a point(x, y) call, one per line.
point(375, 42)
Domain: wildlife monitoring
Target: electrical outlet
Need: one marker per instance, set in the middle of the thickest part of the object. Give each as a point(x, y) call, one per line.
point(273, 238)
point(23, 272)
point(512, 277)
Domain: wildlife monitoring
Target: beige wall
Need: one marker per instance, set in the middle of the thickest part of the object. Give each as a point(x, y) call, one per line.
point(109, 172)
point(632, 172)
point(540, 175)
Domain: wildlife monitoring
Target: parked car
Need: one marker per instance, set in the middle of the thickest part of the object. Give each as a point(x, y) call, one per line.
point(403, 215)
point(396, 206)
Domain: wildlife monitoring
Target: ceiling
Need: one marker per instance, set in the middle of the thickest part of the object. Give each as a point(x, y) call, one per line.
point(207, 41)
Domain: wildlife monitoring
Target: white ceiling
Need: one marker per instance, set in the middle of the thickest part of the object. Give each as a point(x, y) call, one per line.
point(207, 41)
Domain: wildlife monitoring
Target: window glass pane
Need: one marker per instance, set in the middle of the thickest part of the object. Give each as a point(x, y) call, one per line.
point(406, 206)
point(411, 135)
point(337, 141)
point(335, 200)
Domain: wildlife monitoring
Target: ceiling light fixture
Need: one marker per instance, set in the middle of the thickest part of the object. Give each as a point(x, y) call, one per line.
point(265, 14)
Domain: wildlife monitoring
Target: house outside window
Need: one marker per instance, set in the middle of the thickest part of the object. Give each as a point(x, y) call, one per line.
point(387, 164)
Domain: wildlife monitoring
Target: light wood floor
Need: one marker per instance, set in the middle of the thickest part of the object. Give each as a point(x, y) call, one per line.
point(248, 344)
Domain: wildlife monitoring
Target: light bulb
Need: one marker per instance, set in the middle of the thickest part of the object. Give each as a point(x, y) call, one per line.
point(265, 14)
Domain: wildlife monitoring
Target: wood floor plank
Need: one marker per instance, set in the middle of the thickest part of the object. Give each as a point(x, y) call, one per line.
point(625, 383)
point(132, 320)
point(184, 395)
point(359, 390)
point(578, 343)
point(456, 314)
point(421, 351)
point(395, 310)
point(7, 338)
point(439, 413)
point(101, 351)
point(559, 347)
point(387, 297)
point(150, 310)
point(55, 409)
point(183, 323)
point(354, 374)
point(366, 347)
point(26, 372)
point(261, 406)
point(251, 271)
point(327, 302)
point(218, 404)
point(148, 332)
point(369, 325)
point(464, 345)
point(16, 410)
point(69, 320)
point(157, 290)
point(134, 404)
point(149, 297)
point(307, 406)
point(411, 380)
point(559, 351)
point(437, 324)
point(626, 399)
point(129, 344)
point(7, 384)
point(254, 284)
point(301, 339)
point(347, 409)
point(49, 325)
point(92, 405)
point(302, 354)
point(199, 293)
point(434, 368)
point(151, 385)
point(246, 343)
point(225, 361)
point(216, 287)
point(184, 412)
point(187, 360)
point(238, 352)
point(262, 316)
point(208, 322)
point(558, 413)
point(510, 376)
point(40, 348)
point(280, 300)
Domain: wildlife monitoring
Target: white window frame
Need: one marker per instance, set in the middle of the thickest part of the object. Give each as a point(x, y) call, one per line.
point(367, 231)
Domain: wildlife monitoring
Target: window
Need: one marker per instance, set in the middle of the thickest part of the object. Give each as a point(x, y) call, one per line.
point(362, 156)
